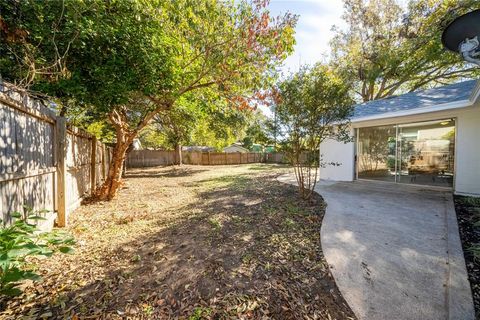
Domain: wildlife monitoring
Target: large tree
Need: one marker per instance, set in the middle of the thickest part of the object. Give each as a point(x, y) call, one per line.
point(205, 121)
point(130, 61)
point(387, 48)
point(312, 105)
point(257, 130)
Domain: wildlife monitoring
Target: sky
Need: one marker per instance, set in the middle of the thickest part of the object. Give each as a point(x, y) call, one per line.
point(313, 31)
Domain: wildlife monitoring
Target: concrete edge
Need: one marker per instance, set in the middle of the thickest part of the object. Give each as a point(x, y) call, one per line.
point(288, 178)
point(459, 293)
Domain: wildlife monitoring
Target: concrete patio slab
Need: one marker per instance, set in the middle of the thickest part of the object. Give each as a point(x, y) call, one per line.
point(394, 250)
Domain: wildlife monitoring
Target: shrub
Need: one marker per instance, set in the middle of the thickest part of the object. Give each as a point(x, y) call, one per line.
point(20, 240)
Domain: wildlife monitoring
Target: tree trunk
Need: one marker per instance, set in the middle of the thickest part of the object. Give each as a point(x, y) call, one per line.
point(114, 176)
point(178, 154)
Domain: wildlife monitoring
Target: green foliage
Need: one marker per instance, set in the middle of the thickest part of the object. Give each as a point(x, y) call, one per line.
point(208, 121)
point(471, 201)
point(475, 250)
point(102, 130)
point(257, 131)
point(141, 56)
point(388, 49)
point(200, 313)
point(22, 240)
point(313, 105)
point(128, 61)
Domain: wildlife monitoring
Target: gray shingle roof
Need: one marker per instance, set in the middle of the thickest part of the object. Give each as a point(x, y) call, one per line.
point(414, 100)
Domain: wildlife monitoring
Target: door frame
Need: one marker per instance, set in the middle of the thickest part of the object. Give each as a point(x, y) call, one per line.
point(396, 124)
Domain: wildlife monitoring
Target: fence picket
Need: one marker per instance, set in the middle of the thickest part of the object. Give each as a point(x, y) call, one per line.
point(151, 158)
point(33, 171)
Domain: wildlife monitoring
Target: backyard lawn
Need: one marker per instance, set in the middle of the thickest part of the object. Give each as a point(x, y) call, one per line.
point(194, 242)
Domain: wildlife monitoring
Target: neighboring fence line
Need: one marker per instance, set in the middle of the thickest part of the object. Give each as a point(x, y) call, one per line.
point(44, 164)
point(151, 158)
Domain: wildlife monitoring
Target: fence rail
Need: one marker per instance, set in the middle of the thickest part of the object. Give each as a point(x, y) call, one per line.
point(44, 164)
point(47, 165)
point(151, 158)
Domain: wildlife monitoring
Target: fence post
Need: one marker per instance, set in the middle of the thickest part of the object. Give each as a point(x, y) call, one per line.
point(61, 152)
point(104, 162)
point(226, 159)
point(208, 157)
point(93, 166)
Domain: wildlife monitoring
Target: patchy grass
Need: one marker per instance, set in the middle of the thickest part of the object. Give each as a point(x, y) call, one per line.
point(216, 242)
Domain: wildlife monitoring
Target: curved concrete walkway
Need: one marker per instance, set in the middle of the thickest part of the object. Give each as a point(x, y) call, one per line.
point(394, 250)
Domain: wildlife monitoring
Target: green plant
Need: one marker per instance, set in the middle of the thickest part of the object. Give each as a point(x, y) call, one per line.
point(21, 240)
point(311, 105)
point(475, 250)
point(471, 201)
point(200, 313)
point(216, 225)
point(289, 222)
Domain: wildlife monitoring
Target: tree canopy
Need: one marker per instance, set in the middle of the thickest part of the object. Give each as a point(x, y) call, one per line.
point(257, 131)
point(312, 105)
point(130, 61)
point(194, 121)
point(388, 49)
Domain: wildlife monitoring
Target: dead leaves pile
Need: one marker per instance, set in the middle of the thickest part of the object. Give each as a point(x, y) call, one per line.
point(235, 244)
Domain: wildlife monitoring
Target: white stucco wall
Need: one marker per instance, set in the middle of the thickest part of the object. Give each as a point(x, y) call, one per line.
point(341, 153)
point(467, 159)
point(467, 149)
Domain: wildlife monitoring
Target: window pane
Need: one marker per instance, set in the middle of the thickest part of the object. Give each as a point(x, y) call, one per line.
point(376, 153)
point(426, 151)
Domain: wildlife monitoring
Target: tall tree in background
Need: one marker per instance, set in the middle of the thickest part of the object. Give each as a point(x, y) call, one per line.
point(175, 126)
point(130, 61)
point(312, 105)
point(387, 49)
point(257, 130)
point(206, 121)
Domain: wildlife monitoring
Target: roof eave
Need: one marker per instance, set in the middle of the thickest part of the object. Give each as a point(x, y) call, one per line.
point(475, 92)
point(411, 112)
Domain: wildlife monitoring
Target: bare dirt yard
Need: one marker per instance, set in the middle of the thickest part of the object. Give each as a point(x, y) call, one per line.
point(196, 242)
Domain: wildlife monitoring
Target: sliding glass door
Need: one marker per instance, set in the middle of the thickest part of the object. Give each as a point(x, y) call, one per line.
point(376, 153)
point(416, 153)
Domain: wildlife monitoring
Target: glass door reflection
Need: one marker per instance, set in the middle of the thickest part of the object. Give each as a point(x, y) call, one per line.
point(416, 153)
point(426, 153)
point(376, 153)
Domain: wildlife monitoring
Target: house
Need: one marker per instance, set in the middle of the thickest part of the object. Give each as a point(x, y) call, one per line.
point(256, 147)
point(236, 147)
point(198, 149)
point(429, 137)
point(269, 149)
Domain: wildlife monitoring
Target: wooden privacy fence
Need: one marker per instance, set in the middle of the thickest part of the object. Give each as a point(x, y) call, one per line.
point(44, 163)
point(151, 158)
point(276, 157)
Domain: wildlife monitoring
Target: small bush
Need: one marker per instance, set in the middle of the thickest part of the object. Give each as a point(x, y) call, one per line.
point(21, 240)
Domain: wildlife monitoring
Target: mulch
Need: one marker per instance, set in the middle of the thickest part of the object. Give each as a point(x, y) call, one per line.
point(468, 213)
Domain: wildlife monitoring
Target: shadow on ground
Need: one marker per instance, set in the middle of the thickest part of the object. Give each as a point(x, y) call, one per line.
point(245, 247)
point(179, 171)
